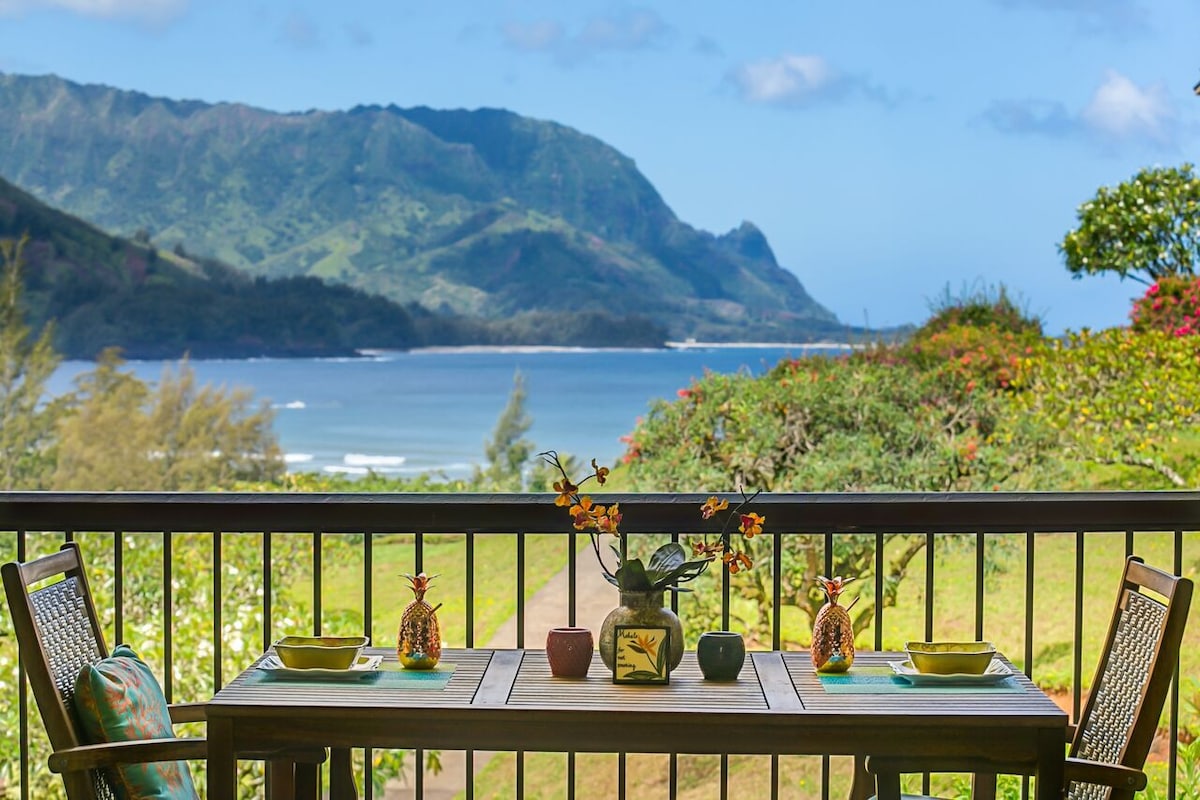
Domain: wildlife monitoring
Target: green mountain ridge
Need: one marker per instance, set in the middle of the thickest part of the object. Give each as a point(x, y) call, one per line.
point(478, 213)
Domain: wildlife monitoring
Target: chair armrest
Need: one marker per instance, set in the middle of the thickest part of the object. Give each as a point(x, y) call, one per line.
point(1117, 776)
point(187, 712)
point(141, 751)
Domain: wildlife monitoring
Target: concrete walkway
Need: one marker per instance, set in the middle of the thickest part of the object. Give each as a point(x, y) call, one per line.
point(548, 608)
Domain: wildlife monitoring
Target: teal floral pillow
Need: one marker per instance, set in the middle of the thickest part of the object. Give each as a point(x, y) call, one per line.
point(118, 699)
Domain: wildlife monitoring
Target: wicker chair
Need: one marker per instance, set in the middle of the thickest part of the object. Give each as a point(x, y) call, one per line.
point(58, 633)
point(1119, 720)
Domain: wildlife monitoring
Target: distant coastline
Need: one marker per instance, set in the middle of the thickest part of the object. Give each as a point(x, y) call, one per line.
point(694, 345)
point(685, 345)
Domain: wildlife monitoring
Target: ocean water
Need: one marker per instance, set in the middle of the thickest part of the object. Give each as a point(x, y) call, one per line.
point(403, 413)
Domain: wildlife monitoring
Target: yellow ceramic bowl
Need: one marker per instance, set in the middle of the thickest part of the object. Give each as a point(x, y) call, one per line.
point(951, 658)
point(320, 652)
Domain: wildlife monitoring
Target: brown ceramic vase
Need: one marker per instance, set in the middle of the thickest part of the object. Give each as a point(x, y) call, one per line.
point(569, 651)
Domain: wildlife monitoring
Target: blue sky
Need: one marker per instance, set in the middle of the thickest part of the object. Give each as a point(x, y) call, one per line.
point(888, 150)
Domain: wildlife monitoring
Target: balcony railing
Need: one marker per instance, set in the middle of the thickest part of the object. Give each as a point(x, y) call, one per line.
point(200, 583)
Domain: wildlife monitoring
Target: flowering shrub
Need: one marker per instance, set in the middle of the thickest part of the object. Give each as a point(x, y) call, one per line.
point(1116, 396)
point(984, 357)
point(669, 565)
point(1171, 305)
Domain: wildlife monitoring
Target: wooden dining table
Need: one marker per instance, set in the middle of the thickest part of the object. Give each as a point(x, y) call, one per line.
point(508, 700)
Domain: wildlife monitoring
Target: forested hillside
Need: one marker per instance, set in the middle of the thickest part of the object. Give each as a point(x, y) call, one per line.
point(104, 291)
point(483, 214)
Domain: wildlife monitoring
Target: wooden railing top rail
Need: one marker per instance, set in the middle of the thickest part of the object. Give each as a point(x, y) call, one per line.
point(643, 513)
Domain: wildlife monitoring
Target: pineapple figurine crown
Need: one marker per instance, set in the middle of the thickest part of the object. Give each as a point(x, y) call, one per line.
point(833, 587)
point(420, 583)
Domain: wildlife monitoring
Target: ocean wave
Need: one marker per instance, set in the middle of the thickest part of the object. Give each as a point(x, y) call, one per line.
point(344, 470)
point(364, 460)
point(294, 404)
point(297, 458)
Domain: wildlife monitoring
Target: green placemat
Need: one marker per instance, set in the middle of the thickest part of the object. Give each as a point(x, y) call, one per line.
point(389, 674)
point(881, 680)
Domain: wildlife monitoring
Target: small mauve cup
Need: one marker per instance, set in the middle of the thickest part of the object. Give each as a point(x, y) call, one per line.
point(569, 651)
point(721, 655)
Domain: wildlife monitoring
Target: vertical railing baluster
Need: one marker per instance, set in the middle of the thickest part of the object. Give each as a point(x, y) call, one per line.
point(776, 631)
point(1077, 656)
point(419, 753)
point(621, 768)
point(520, 583)
point(980, 553)
point(168, 620)
point(724, 596)
point(368, 541)
point(674, 595)
point(829, 569)
point(266, 573)
point(470, 589)
point(929, 556)
point(1128, 543)
point(316, 587)
point(369, 583)
point(1173, 744)
point(829, 572)
point(724, 776)
point(673, 758)
point(572, 600)
point(520, 756)
point(23, 698)
point(776, 590)
point(218, 639)
point(879, 573)
point(1030, 582)
point(118, 587)
point(929, 559)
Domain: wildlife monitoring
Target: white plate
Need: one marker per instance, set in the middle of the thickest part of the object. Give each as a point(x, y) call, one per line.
point(366, 665)
point(996, 672)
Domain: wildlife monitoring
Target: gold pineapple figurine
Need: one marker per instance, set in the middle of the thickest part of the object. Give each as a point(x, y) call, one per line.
point(419, 641)
point(833, 633)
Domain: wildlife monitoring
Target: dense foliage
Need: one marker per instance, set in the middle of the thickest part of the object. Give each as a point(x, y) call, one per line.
point(1146, 228)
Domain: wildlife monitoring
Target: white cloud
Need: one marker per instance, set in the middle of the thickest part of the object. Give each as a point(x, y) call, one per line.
point(794, 81)
point(1119, 112)
point(631, 31)
point(788, 79)
point(538, 36)
point(1121, 109)
point(147, 10)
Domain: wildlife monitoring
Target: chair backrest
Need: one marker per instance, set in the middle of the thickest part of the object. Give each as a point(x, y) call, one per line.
point(1136, 666)
point(58, 632)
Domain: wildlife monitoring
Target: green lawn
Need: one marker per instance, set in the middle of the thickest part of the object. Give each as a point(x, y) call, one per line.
point(494, 591)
